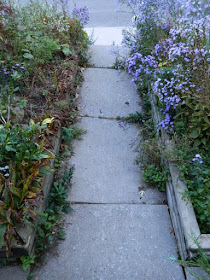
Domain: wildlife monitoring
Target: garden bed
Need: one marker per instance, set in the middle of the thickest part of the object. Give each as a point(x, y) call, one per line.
point(169, 50)
point(182, 214)
point(42, 50)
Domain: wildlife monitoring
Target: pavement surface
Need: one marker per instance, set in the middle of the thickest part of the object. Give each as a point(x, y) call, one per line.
point(120, 229)
point(110, 175)
point(13, 273)
point(105, 93)
point(114, 242)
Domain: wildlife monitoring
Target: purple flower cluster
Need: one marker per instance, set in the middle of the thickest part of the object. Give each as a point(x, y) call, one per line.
point(82, 14)
point(165, 90)
point(180, 48)
point(198, 158)
point(9, 72)
point(140, 66)
point(123, 125)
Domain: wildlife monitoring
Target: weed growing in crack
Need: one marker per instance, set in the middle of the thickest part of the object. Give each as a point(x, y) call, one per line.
point(72, 132)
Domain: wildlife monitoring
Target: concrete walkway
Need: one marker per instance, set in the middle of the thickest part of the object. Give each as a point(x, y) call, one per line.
point(112, 233)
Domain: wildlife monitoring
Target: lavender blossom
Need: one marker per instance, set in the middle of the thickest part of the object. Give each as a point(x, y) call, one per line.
point(198, 158)
point(82, 14)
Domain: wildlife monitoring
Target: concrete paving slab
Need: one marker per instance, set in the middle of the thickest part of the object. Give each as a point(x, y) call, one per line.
point(106, 93)
point(105, 36)
point(102, 13)
point(102, 56)
point(105, 170)
point(199, 271)
point(13, 273)
point(117, 242)
point(105, 13)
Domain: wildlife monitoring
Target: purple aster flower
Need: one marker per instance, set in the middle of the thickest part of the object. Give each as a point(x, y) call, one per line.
point(82, 14)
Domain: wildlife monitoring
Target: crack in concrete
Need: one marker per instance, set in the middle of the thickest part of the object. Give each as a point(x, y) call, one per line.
point(100, 67)
point(115, 203)
point(103, 118)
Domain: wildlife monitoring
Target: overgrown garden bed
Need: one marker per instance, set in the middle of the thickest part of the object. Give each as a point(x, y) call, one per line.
point(42, 50)
point(169, 64)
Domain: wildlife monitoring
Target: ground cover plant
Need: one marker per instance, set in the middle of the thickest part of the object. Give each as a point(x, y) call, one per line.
point(170, 55)
point(42, 48)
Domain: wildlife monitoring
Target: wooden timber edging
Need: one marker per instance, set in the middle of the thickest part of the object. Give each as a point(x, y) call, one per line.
point(181, 210)
point(28, 233)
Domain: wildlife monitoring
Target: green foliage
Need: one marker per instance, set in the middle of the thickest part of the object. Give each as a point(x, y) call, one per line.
point(33, 38)
point(41, 49)
point(27, 261)
point(134, 118)
point(62, 235)
point(57, 200)
point(38, 33)
point(18, 144)
point(154, 172)
point(155, 176)
point(8, 102)
point(3, 263)
point(49, 221)
point(197, 177)
point(71, 133)
point(202, 260)
point(30, 276)
point(197, 112)
point(23, 162)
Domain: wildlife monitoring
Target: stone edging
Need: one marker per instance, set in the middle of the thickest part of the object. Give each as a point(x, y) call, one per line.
point(28, 233)
point(181, 211)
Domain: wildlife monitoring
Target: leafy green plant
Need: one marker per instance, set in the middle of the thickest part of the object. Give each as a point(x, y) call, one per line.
point(197, 178)
point(155, 176)
point(8, 88)
point(40, 49)
point(70, 133)
point(199, 122)
point(27, 261)
point(57, 200)
point(149, 159)
point(193, 163)
point(62, 235)
point(23, 162)
point(38, 33)
point(49, 221)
